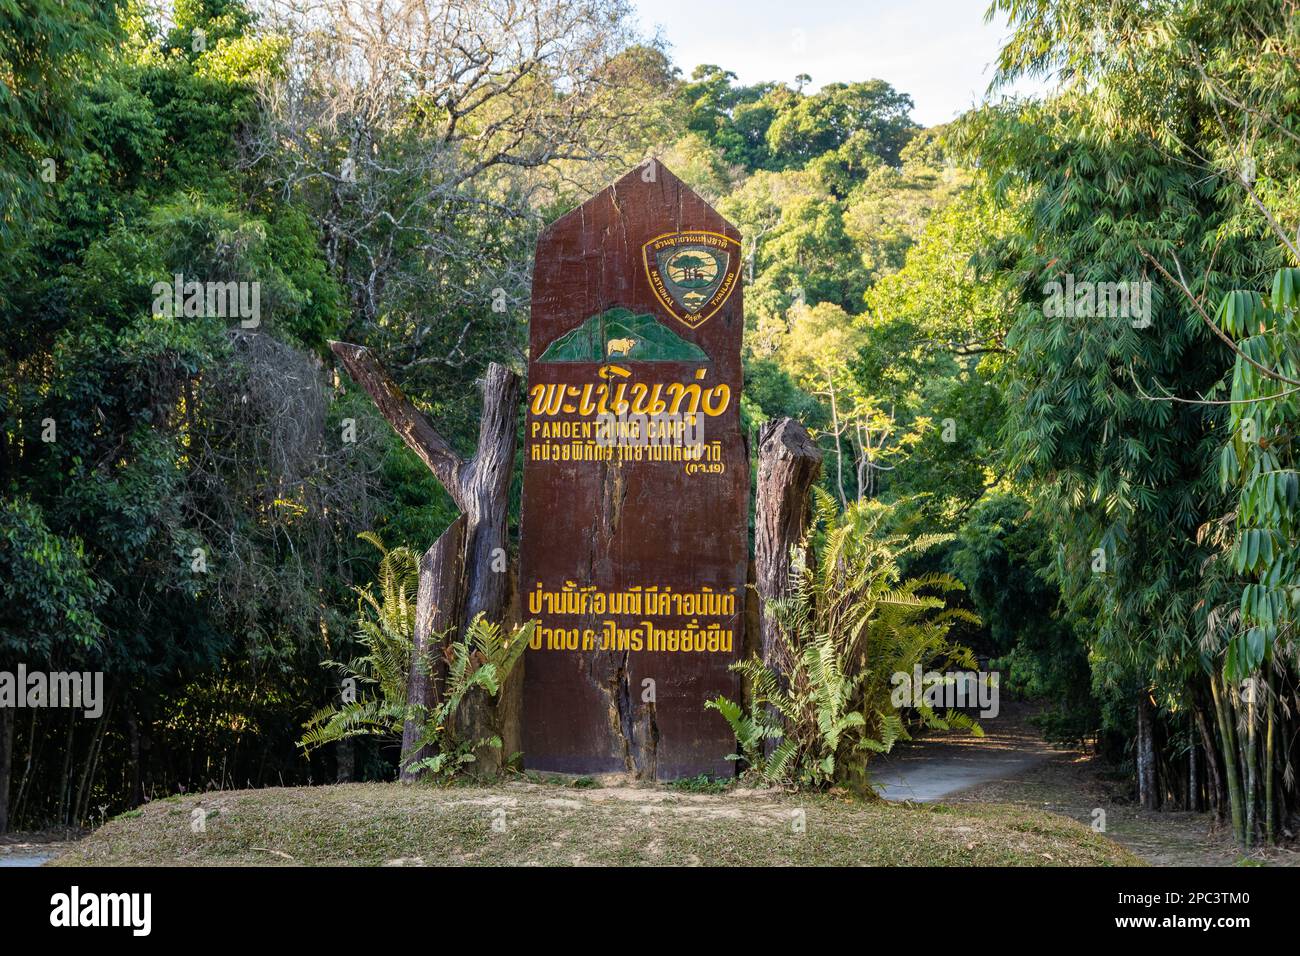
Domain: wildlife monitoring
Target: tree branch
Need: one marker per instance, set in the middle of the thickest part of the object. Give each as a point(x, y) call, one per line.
point(1205, 317)
point(407, 420)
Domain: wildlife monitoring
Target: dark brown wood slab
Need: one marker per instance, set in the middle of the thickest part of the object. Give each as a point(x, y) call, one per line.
point(667, 535)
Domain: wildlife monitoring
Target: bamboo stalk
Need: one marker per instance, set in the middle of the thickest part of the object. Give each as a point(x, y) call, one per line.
point(17, 807)
point(65, 778)
point(1229, 759)
point(87, 785)
point(1252, 766)
point(1270, 796)
point(1216, 788)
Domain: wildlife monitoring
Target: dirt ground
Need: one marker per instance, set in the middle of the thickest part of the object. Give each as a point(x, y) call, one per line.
point(1077, 784)
point(935, 768)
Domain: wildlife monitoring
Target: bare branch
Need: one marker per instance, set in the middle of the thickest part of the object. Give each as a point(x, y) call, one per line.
point(1181, 283)
point(407, 420)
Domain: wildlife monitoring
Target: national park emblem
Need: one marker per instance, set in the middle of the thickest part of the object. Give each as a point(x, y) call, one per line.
point(692, 273)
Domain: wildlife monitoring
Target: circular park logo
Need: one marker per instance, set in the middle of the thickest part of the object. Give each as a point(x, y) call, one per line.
point(692, 273)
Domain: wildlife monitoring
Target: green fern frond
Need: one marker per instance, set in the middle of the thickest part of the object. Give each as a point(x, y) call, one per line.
point(848, 623)
point(482, 658)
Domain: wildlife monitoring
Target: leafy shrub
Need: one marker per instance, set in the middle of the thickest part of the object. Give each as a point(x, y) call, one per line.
point(483, 658)
point(848, 626)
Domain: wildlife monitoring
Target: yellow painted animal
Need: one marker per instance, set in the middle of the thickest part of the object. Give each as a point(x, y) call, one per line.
point(619, 347)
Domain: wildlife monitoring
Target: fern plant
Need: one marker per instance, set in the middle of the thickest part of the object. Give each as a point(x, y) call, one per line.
point(849, 624)
point(385, 627)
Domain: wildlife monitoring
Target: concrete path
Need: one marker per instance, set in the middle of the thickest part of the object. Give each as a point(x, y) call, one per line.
point(940, 765)
point(32, 849)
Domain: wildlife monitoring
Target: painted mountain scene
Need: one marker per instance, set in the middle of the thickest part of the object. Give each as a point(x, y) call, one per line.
point(620, 333)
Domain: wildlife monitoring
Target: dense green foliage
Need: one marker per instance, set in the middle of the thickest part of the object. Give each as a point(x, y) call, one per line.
point(850, 624)
point(1115, 489)
point(1168, 159)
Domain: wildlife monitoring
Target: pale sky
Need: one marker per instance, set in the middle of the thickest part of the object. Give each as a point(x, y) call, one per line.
point(940, 52)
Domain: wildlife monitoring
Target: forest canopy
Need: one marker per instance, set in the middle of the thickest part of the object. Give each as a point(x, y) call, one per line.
point(183, 492)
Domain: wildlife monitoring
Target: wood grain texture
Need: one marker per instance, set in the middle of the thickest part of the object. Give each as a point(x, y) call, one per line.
point(615, 525)
point(788, 465)
point(437, 611)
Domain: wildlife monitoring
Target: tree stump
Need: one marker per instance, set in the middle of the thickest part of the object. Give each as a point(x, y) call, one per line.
point(437, 611)
point(480, 486)
point(788, 464)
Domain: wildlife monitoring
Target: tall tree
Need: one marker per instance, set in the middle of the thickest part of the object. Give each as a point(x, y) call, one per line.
point(1112, 413)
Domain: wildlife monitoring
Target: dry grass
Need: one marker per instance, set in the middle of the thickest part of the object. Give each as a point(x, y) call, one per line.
point(527, 823)
point(1076, 784)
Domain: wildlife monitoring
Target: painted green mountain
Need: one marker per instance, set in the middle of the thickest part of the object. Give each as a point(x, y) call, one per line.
point(618, 333)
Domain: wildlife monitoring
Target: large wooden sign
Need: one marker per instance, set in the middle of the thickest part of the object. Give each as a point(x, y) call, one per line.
point(636, 485)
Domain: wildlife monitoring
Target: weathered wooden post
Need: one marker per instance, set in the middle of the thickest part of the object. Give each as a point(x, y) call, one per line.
point(633, 553)
point(437, 611)
point(788, 465)
point(458, 579)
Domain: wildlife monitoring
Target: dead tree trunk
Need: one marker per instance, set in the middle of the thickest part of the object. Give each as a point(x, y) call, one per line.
point(480, 487)
point(788, 464)
point(486, 490)
point(437, 610)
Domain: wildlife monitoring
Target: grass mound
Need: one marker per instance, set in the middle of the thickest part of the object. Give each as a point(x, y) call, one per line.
point(525, 824)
